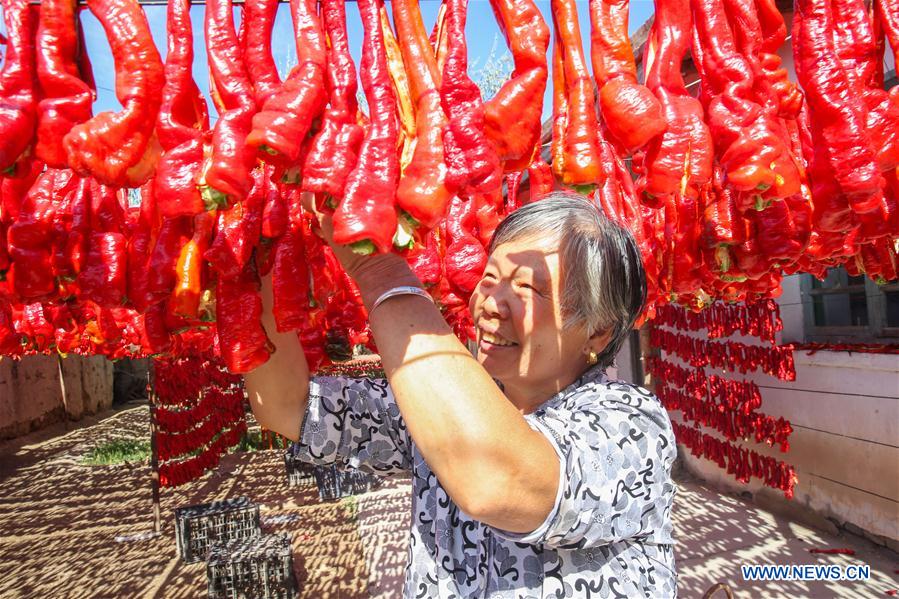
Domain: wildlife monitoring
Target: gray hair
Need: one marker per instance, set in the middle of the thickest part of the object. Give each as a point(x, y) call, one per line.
point(603, 282)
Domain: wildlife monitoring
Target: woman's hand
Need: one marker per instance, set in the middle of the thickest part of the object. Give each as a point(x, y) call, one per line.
point(374, 274)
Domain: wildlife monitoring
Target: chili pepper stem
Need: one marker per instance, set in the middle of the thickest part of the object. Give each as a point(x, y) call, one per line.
point(292, 176)
point(585, 189)
point(406, 226)
point(363, 248)
point(213, 199)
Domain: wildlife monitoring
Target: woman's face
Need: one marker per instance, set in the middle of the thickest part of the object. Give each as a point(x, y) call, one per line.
point(518, 319)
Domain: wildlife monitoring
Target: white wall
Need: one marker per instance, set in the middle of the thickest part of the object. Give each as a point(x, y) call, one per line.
point(844, 409)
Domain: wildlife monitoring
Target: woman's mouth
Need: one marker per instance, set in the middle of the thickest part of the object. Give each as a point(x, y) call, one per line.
point(491, 341)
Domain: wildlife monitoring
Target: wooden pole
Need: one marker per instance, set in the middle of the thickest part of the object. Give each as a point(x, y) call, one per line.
point(154, 452)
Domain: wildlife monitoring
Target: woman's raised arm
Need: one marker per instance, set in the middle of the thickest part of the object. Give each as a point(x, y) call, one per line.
point(279, 389)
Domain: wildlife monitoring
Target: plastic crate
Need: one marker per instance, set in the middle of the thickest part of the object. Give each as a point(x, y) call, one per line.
point(197, 527)
point(334, 483)
point(298, 472)
point(257, 567)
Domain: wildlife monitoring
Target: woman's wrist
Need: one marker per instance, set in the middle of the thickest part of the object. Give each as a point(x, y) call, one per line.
point(378, 274)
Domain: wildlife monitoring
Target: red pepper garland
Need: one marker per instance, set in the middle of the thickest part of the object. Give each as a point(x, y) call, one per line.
point(757, 319)
point(727, 406)
point(744, 464)
point(199, 409)
point(731, 355)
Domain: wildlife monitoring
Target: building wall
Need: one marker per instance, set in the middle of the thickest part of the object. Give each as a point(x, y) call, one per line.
point(844, 409)
point(39, 390)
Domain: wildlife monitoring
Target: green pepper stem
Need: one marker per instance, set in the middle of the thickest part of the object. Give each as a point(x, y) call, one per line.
point(213, 199)
point(363, 248)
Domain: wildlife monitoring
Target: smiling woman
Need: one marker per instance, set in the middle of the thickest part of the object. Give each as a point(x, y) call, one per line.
point(533, 474)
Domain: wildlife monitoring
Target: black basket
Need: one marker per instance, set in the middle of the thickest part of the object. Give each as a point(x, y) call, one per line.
point(197, 527)
point(334, 483)
point(298, 472)
point(254, 568)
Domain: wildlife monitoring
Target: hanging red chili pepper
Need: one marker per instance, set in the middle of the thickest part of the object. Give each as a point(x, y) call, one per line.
point(119, 148)
point(629, 110)
point(471, 159)
point(183, 124)
point(66, 96)
point(226, 173)
point(18, 85)
point(281, 125)
point(366, 218)
point(513, 116)
point(335, 148)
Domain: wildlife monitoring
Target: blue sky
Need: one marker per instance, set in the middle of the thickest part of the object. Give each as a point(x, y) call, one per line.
point(482, 35)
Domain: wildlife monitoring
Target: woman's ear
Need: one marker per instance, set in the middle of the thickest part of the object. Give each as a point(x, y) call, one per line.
point(597, 342)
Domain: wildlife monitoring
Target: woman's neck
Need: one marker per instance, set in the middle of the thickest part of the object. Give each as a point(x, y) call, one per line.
point(527, 396)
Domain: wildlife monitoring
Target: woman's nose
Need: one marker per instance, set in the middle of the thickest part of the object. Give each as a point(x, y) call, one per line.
point(495, 305)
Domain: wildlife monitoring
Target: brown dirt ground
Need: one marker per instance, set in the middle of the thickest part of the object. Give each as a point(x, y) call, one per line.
point(59, 521)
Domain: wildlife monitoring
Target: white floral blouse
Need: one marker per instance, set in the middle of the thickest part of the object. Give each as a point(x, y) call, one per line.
point(608, 535)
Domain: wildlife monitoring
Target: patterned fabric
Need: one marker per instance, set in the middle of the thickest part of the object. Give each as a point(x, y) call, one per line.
point(608, 535)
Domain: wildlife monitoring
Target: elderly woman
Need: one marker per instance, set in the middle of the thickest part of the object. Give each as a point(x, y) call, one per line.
point(533, 475)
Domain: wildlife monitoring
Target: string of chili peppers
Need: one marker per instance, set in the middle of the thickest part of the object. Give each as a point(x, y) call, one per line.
point(730, 355)
point(744, 464)
point(755, 319)
point(199, 414)
point(177, 473)
point(728, 407)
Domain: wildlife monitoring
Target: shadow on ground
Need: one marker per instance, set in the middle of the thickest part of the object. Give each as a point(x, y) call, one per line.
point(59, 521)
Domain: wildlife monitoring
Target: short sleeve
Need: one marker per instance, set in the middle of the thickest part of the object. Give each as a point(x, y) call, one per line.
point(354, 422)
point(615, 447)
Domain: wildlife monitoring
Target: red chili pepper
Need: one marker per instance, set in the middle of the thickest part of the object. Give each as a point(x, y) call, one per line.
point(750, 145)
point(243, 342)
point(189, 269)
point(119, 148)
point(580, 146)
point(629, 110)
point(423, 190)
point(471, 160)
point(856, 49)
point(465, 257)
point(280, 127)
point(335, 148)
point(183, 122)
point(142, 239)
point(174, 233)
point(237, 231)
point(290, 281)
point(66, 97)
point(274, 211)
point(680, 160)
point(540, 179)
point(103, 279)
point(844, 173)
point(366, 218)
point(513, 116)
point(18, 83)
point(226, 175)
point(31, 238)
point(560, 112)
point(259, 20)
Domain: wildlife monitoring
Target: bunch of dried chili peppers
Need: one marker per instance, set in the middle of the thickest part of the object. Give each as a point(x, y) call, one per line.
point(199, 413)
point(730, 407)
point(744, 464)
point(146, 231)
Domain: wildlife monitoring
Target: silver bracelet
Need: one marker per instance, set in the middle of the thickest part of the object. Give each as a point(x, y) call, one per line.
point(401, 290)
